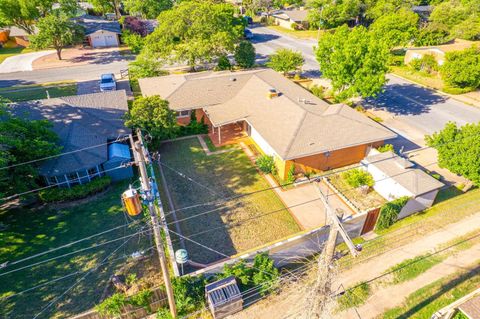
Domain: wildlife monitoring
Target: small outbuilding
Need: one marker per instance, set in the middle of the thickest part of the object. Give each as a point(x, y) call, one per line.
point(99, 32)
point(224, 297)
point(397, 177)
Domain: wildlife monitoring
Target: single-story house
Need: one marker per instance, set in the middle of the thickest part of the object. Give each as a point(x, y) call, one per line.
point(100, 32)
point(283, 119)
point(291, 19)
point(396, 177)
point(21, 36)
point(439, 51)
point(93, 122)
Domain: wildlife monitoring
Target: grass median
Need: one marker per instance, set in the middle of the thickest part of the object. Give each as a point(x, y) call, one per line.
point(38, 91)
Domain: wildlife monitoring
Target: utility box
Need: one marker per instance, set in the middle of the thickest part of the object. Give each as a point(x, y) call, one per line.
point(224, 297)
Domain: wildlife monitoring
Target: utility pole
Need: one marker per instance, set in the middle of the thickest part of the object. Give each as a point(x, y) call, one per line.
point(141, 157)
point(319, 292)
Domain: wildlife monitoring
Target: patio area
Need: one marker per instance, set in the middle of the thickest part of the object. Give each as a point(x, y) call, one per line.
point(227, 134)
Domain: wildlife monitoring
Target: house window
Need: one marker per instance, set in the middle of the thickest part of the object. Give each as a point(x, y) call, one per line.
point(183, 114)
point(73, 179)
point(93, 172)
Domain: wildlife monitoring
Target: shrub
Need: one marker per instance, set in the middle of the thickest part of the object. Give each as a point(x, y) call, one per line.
point(291, 174)
point(164, 313)
point(264, 273)
point(358, 177)
point(112, 306)
point(386, 148)
point(245, 55)
point(318, 91)
point(133, 40)
point(194, 127)
point(462, 68)
point(241, 272)
point(432, 34)
point(354, 297)
point(53, 195)
point(189, 293)
point(455, 91)
point(426, 63)
point(142, 299)
point(389, 213)
point(266, 164)
point(223, 63)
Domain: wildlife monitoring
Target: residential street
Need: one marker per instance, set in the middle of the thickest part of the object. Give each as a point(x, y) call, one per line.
point(76, 73)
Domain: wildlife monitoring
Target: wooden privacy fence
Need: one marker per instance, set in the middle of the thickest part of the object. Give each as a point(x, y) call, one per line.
point(158, 300)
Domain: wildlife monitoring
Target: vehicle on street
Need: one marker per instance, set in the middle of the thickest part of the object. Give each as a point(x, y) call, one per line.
point(108, 82)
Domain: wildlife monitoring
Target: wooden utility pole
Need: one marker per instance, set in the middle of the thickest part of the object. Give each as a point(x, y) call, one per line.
point(141, 157)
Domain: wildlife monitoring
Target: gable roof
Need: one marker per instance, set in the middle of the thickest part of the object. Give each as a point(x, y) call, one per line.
point(80, 121)
point(294, 15)
point(93, 24)
point(295, 124)
point(19, 32)
point(402, 171)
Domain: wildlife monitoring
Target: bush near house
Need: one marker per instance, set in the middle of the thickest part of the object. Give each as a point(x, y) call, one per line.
point(266, 164)
point(53, 195)
point(462, 68)
point(389, 212)
point(358, 177)
point(194, 127)
point(133, 40)
point(354, 297)
point(426, 63)
point(386, 148)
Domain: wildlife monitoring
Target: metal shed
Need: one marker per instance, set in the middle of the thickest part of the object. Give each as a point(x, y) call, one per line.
point(118, 153)
point(224, 297)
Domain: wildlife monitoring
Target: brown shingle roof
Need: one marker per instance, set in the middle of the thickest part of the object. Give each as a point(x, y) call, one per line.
point(295, 124)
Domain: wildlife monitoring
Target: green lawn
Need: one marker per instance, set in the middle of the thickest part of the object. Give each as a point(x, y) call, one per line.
point(301, 34)
point(423, 303)
point(38, 92)
point(354, 297)
point(413, 267)
point(408, 229)
point(10, 49)
point(235, 225)
point(25, 232)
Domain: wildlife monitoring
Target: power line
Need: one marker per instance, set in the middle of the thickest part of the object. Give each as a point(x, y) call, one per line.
point(7, 263)
point(121, 166)
point(81, 279)
point(72, 253)
point(119, 139)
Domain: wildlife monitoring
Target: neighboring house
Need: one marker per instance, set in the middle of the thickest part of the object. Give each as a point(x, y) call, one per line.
point(4, 34)
point(100, 32)
point(21, 36)
point(396, 177)
point(83, 122)
point(291, 19)
point(285, 120)
point(423, 11)
point(438, 51)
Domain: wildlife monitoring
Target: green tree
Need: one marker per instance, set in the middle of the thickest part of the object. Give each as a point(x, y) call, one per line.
point(432, 34)
point(354, 60)
point(195, 31)
point(285, 60)
point(133, 40)
point(460, 17)
point(245, 54)
point(23, 13)
point(396, 29)
point(378, 8)
point(148, 9)
point(462, 68)
point(153, 115)
point(56, 31)
point(458, 149)
point(223, 63)
point(326, 14)
point(22, 141)
point(358, 177)
point(145, 66)
point(107, 6)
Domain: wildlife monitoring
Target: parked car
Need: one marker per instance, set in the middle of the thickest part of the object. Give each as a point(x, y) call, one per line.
point(108, 82)
point(248, 19)
point(248, 34)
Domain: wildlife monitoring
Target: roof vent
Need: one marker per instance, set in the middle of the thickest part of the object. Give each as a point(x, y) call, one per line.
point(233, 79)
point(272, 92)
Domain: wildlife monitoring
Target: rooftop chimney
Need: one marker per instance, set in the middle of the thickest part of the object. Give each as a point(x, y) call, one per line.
point(272, 93)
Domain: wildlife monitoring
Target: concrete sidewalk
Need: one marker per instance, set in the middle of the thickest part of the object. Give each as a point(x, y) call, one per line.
point(22, 62)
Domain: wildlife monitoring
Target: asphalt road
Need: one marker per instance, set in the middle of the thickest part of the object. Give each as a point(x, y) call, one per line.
point(77, 73)
point(267, 41)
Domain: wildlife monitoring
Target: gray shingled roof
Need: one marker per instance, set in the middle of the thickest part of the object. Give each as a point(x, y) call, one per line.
point(93, 24)
point(401, 170)
point(80, 121)
point(295, 124)
point(295, 15)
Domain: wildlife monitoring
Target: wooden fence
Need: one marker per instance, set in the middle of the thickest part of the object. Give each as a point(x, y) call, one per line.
point(158, 300)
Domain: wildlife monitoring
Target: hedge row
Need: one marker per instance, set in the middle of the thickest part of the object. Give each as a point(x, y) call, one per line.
point(53, 195)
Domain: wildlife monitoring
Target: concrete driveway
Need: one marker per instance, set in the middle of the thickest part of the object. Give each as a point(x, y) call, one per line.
point(22, 62)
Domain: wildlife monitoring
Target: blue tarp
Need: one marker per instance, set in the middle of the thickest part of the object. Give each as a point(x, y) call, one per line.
point(118, 150)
